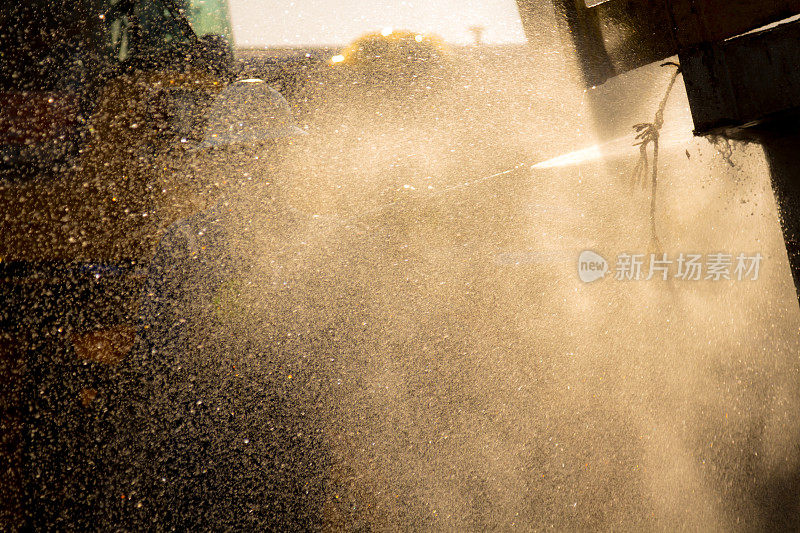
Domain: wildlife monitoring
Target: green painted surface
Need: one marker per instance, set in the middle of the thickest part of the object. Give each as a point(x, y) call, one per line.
point(209, 16)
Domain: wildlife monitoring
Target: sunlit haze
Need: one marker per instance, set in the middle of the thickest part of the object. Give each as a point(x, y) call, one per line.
point(359, 274)
point(259, 23)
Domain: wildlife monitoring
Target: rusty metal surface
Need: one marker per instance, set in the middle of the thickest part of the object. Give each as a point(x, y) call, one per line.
point(705, 21)
point(745, 80)
point(616, 36)
point(611, 38)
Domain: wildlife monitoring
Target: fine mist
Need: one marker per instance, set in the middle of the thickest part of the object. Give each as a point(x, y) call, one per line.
point(455, 370)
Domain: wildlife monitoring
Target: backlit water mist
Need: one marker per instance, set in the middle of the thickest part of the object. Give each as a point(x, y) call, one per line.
point(452, 365)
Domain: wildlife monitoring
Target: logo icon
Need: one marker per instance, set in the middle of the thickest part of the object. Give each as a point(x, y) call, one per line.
point(591, 266)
